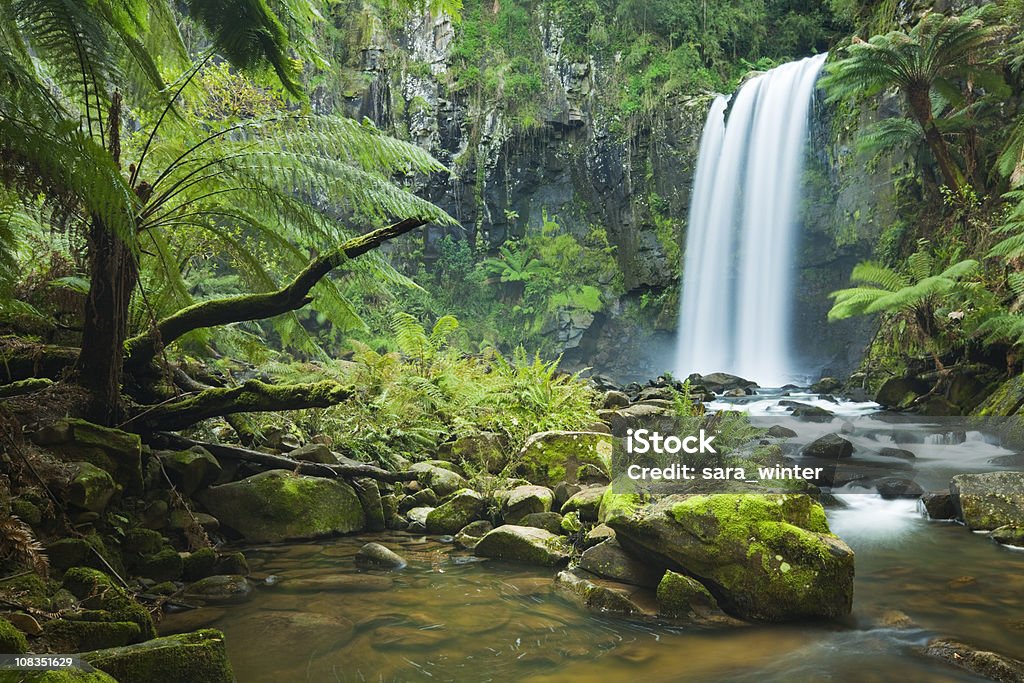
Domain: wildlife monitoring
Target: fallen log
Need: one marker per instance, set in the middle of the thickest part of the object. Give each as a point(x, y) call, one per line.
point(280, 462)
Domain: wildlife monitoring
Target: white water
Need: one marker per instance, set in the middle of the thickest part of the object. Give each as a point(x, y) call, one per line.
point(736, 307)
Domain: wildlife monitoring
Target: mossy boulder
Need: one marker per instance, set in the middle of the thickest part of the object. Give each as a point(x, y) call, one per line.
point(368, 492)
point(524, 544)
point(488, 450)
point(439, 478)
point(182, 658)
point(116, 452)
point(764, 557)
point(523, 500)
point(828, 447)
point(97, 591)
point(80, 635)
point(200, 564)
point(1009, 535)
point(610, 561)
point(586, 503)
point(471, 534)
point(190, 470)
point(314, 452)
point(88, 551)
point(277, 505)
point(165, 565)
point(989, 500)
point(461, 508)
point(683, 597)
point(12, 641)
point(56, 676)
point(615, 503)
point(900, 392)
point(550, 457)
point(91, 488)
point(640, 416)
point(549, 521)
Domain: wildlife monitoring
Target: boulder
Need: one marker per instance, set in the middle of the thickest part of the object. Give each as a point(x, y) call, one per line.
point(764, 557)
point(988, 501)
point(486, 449)
point(378, 556)
point(549, 521)
point(900, 392)
point(640, 416)
point(523, 544)
point(550, 457)
point(564, 491)
point(117, 453)
point(190, 470)
point(87, 632)
point(91, 488)
point(826, 385)
point(901, 453)
point(199, 564)
point(442, 480)
point(808, 411)
point(471, 534)
point(720, 382)
point(421, 499)
point(522, 500)
point(984, 664)
point(938, 505)
point(96, 591)
point(829, 447)
point(461, 508)
point(683, 597)
point(12, 641)
point(780, 432)
point(1009, 535)
point(314, 452)
point(610, 561)
point(277, 505)
point(586, 503)
point(614, 399)
point(182, 658)
point(591, 593)
point(891, 488)
point(368, 492)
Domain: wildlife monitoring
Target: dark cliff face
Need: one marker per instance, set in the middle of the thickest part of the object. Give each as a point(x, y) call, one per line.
point(585, 164)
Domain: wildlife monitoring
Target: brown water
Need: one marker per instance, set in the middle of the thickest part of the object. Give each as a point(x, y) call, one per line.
point(444, 618)
point(448, 617)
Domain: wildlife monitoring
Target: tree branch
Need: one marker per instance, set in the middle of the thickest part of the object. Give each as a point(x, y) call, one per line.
point(281, 462)
point(295, 295)
point(251, 397)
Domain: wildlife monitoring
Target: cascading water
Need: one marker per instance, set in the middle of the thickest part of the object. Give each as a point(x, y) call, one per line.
point(737, 297)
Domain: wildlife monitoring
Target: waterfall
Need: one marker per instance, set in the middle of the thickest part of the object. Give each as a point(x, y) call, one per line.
point(736, 304)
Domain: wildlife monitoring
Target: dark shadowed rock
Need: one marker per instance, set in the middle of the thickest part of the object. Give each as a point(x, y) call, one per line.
point(938, 505)
point(829, 447)
point(891, 488)
point(610, 561)
point(990, 665)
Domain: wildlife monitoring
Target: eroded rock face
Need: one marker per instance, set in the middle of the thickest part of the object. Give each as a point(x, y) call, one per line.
point(277, 505)
point(990, 500)
point(763, 557)
point(524, 544)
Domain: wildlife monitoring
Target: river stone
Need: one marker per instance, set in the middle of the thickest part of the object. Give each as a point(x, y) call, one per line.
point(938, 505)
point(277, 505)
point(377, 555)
point(471, 534)
point(766, 557)
point(585, 591)
point(988, 665)
point(220, 589)
point(900, 453)
point(564, 491)
point(586, 503)
point(598, 534)
point(719, 382)
point(182, 658)
point(549, 521)
point(418, 516)
point(1008, 535)
point(190, 470)
point(443, 481)
point(988, 501)
point(461, 508)
point(91, 487)
point(522, 500)
point(523, 544)
point(314, 452)
point(811, 411)
point(614, 399)
point(550, 457)
point(683, 597)
point(826, 385)
point(421, 499)
point(828, 447)
point(900, 392)
point(891, 488)
point(610, 561)
point(780, 432)
point(368, 492)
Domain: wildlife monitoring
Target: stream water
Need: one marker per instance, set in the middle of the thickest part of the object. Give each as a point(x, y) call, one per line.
point(448, 617)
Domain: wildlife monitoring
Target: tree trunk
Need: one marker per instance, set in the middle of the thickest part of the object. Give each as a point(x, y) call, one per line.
point(920, 104)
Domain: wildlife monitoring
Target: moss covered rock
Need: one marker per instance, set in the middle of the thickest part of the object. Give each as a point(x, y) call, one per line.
point(200, 564)
point(116, 452)
point(368, 492)
point(615, 503)
point(277, 505)
point(57, 676)
point(441, 479)
point(183, 658)
point(190, 470)
point(523, 544)
point(764, 557)
point(549, 521)
point(471, 534)
point(486, 449)
point(550, 457)
point(592, 593)
point(990, 500)
point(610, 561)
point(12, 641)
point(73, 635)
point(97, 591)
point(220, 589)
point(1009, 535)
point(586, 502)
point(165, 565)
point(91, 488)
point(523, 500)
point(461, 508)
